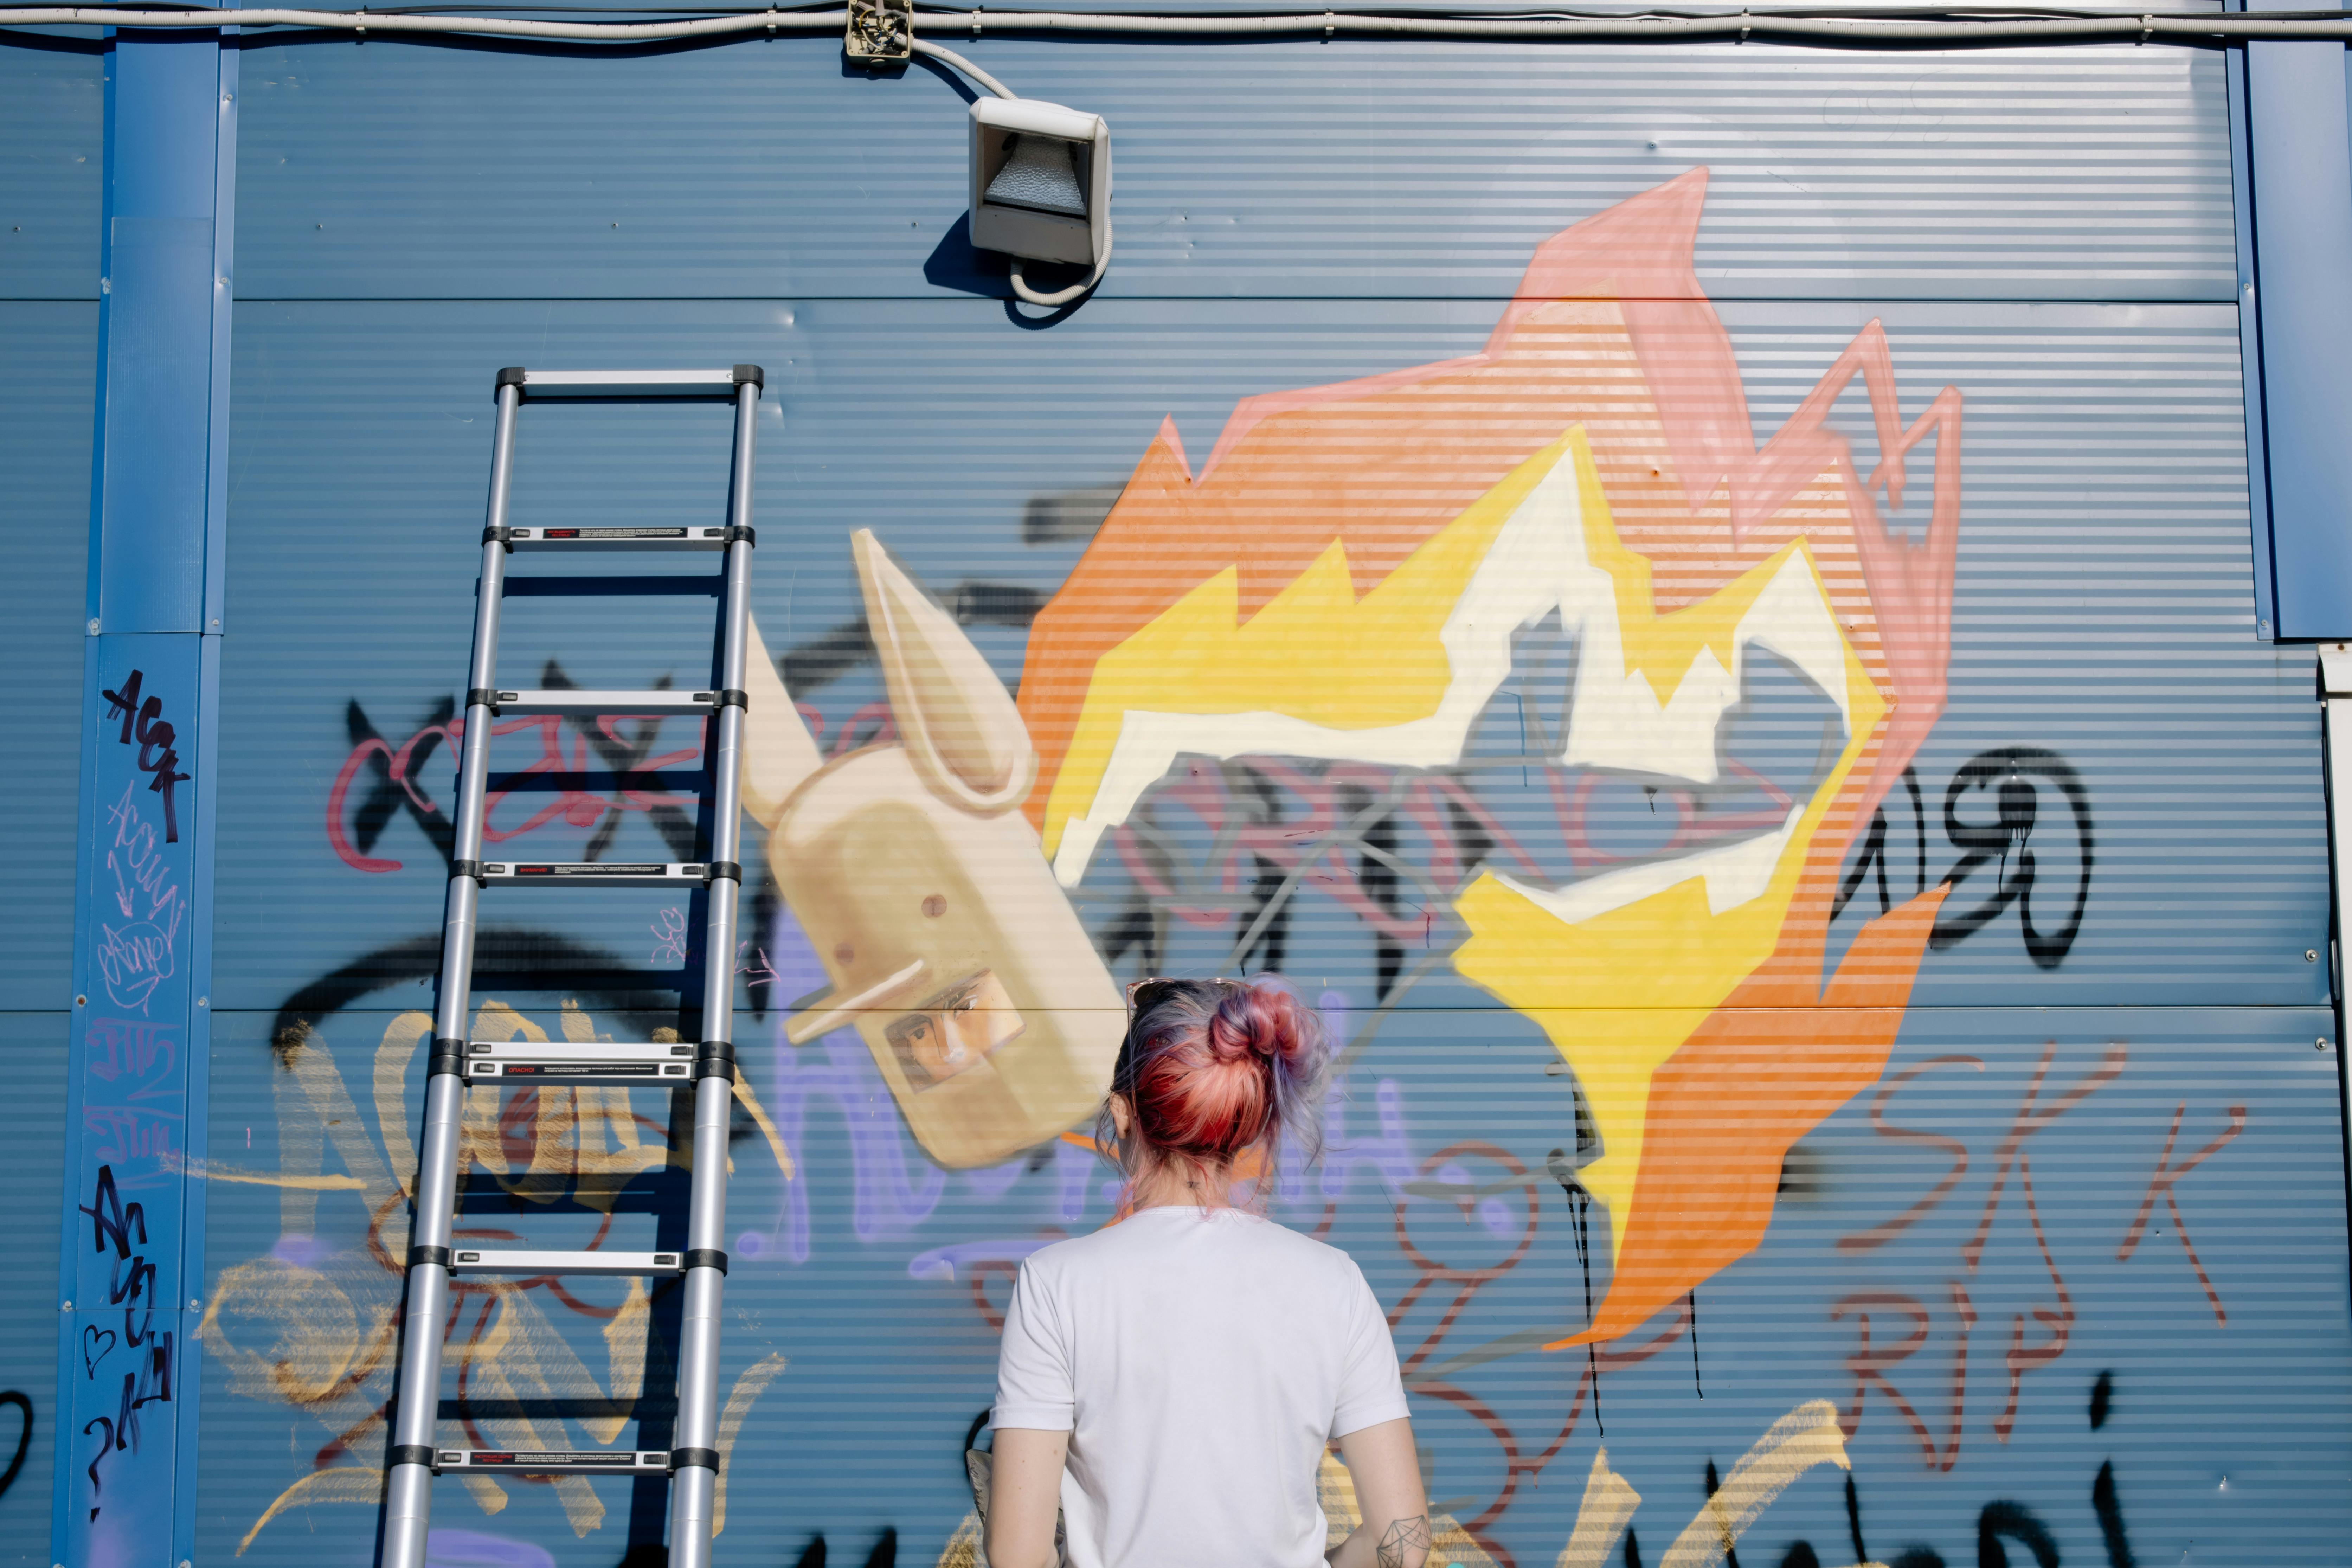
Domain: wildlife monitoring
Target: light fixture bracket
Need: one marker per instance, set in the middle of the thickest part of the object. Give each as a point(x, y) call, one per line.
point(879, 32)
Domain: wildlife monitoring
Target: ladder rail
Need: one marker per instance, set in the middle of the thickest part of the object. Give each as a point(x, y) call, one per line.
point(433, 1200)
point(693, 1483)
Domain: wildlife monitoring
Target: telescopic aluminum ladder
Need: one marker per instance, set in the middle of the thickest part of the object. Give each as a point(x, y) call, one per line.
point(458, 1061)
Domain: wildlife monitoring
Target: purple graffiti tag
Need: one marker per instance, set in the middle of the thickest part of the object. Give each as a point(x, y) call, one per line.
point(886, 1199)
point(941, 1262)
point(301, 1251)
point(121, 1135)
point(1388, 1154)
point(473, 1549)
point(135, 1049)
point(669, 937)
point(1073, 1168)
point(993, 1182)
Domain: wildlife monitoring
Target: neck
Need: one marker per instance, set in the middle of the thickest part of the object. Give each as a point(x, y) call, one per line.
point(1178, 1185)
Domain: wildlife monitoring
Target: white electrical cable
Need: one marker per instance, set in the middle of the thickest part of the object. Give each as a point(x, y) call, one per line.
point(1812, 27)
point(380, 22)
point(994, 88)
point(1064, 296)
point(1806, 27)
point(1019, 284)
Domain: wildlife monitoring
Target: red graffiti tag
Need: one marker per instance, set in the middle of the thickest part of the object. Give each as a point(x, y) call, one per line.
point(2167, 1173)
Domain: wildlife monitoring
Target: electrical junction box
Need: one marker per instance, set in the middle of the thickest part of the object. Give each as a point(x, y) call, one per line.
point(1040, 181)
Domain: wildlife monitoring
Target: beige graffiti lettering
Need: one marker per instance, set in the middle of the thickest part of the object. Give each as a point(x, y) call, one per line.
point(1607, 1509)
point(1806, 1436)
point(319, 1337)
point(748, 1388)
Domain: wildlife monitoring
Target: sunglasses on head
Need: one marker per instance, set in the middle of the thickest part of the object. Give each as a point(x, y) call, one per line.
point(1142, 995)
point(1150, 992)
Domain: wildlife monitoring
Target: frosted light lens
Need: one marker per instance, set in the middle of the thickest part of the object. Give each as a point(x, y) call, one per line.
point(1040, 173)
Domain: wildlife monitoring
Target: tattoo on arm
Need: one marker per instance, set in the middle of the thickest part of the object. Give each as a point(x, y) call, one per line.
point(1403, 1536)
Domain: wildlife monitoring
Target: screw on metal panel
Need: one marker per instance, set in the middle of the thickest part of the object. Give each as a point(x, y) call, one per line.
point(81, 1001)
point(2319, 1045)
point(65, 1306)
point(93, 626)
point(194, 1304)
point(2311, 955)
point(203, 1001)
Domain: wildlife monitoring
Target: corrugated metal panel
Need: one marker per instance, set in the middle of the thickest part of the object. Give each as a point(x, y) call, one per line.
point(2113, 1142)
point(1293, 170)
point(32, 1164)
point(45, 433)
point(871, 1274)
point(2100, 637)
point(2101, 609)
point(52, 123)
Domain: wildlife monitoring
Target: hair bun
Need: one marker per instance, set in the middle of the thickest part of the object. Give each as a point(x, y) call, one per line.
point(1264, 1019)
point(1213, 1067)
point(1245, 1024)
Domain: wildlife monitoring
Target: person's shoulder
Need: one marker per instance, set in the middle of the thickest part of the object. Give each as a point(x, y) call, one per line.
point(1307, 1253)
point(1076, 1256)
point(1057, 1257)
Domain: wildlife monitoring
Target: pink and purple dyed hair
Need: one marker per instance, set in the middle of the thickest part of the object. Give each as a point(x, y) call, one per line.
point(1215, 1067)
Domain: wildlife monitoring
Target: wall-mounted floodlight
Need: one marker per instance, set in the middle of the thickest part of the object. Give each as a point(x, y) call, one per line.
point(1041, 187)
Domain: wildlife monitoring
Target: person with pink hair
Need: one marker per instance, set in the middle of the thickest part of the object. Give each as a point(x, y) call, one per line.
point(1170, 1383)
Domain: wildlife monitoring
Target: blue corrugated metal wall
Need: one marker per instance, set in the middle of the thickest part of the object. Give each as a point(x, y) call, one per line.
point(49, 121)
point(2068, 1333)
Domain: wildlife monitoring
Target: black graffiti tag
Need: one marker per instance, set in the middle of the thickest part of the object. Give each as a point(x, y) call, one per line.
point(24, 1404)
point(144, 722)
point(132, 1288)
point(2009, 775)
point(2014, 778)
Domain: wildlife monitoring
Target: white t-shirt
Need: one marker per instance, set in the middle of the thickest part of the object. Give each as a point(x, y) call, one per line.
point(1199, 1360)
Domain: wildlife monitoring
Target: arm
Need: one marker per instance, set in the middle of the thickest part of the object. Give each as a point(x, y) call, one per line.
point(1387, 1472)
point(1026, 1496)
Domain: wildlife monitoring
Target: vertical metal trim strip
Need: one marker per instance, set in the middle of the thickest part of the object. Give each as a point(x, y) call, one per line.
point(2264, 564)
point(142, 973)
point(212, 608)
point(2300, 157)
point(2335, 694)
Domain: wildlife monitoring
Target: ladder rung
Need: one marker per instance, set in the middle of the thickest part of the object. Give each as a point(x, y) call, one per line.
point(629, 383)
point(546, 1061)
point(595, 539)
point(592, 874)
point(619, 704)
point(554, 1461)
point(510, 1261)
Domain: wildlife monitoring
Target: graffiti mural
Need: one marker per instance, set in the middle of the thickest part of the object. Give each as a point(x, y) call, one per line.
point(1580, 756)
point(1316, 592)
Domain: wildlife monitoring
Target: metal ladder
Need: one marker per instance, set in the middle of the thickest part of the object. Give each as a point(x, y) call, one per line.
point(458, 1061)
